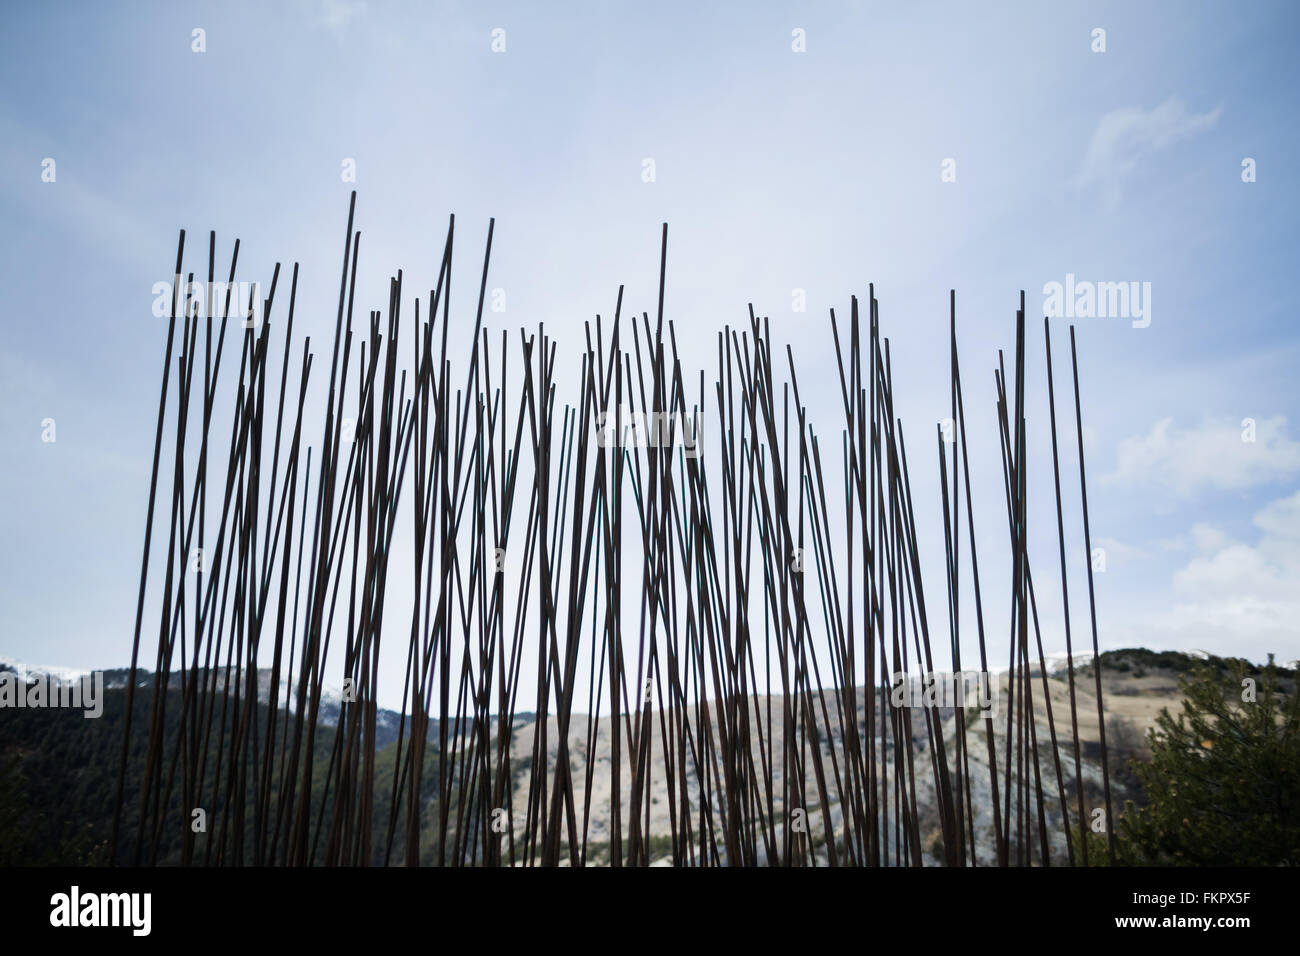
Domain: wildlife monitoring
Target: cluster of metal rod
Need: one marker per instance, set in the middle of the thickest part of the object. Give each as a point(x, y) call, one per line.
point(745, 681)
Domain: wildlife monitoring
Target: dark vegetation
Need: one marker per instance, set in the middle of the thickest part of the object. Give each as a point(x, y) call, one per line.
point(58, 774)
point(1217, 785)
point(1222, 784)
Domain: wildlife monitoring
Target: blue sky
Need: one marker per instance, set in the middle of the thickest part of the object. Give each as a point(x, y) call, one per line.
point(775, 170)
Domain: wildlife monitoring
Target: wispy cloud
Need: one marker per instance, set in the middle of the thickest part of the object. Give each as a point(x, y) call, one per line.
point(1234, 592)
point(1216, 455)
point(1121, 553)
point(1125, 136)
point(91, 211)
point(336, 15)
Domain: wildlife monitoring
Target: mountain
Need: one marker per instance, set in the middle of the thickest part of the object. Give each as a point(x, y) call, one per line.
point(58, 771)
point(1137, 684)
point(331, 704)
point(59, 774)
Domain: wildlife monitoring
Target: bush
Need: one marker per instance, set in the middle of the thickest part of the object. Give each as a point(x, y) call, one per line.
point(1223, 784)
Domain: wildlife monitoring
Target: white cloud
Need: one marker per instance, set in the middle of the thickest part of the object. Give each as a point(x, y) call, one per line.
point(1206, 538)
point(1281, 519)
point(1184, 462)
point(1239, 599)
point(335, 15)
point(1119, 553)
point(1124, 136)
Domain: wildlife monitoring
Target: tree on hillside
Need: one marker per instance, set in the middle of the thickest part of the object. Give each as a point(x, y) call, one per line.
point(1223, 784)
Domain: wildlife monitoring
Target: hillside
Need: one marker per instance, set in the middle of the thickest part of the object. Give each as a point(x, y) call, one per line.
point(58, 771)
